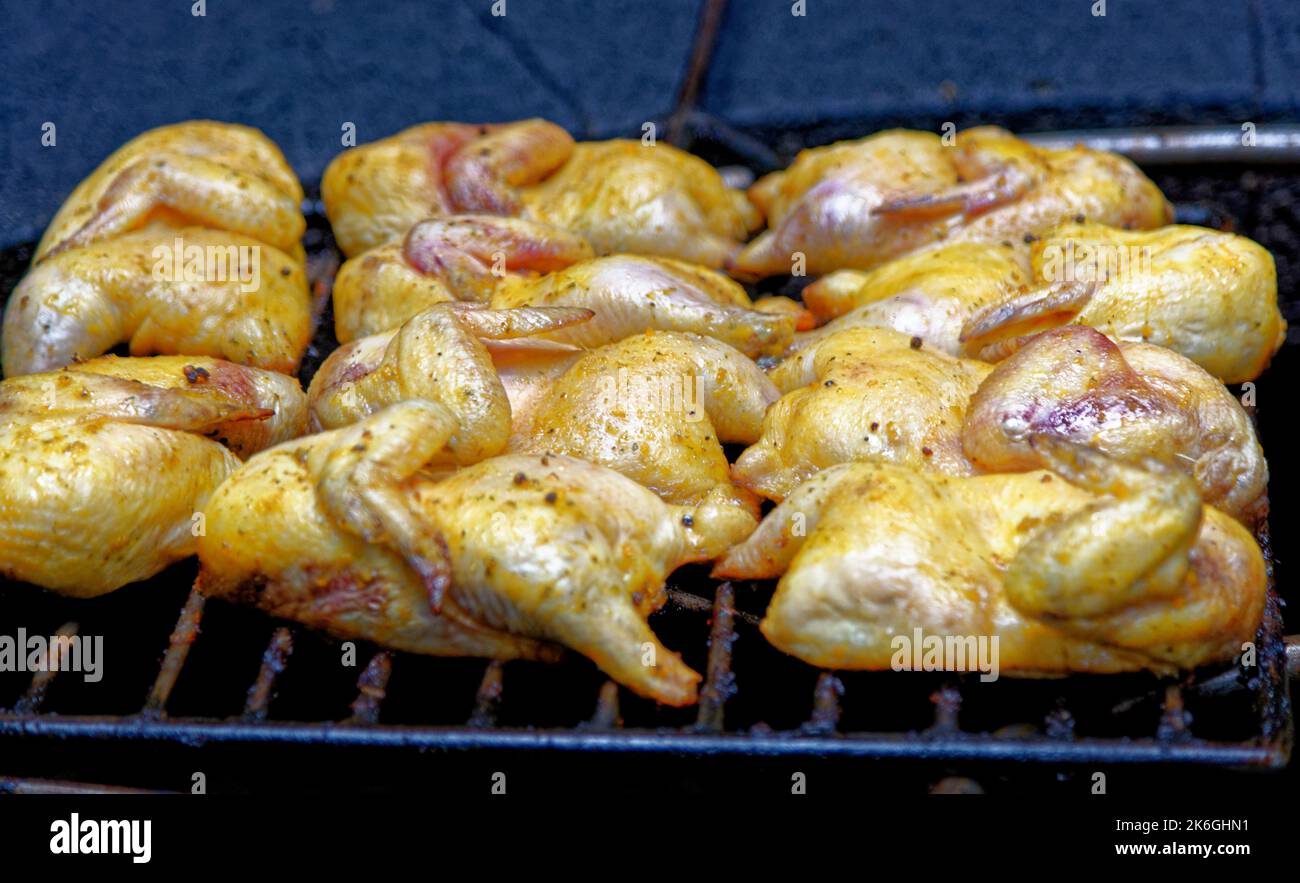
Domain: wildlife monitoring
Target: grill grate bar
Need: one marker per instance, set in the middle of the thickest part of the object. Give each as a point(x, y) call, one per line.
point(826, 704)
point(607, 714)
point(488, 698)
point(32, 700)
point(178, 649)
point(274, 661)
point(372, 687)
point(720, 681)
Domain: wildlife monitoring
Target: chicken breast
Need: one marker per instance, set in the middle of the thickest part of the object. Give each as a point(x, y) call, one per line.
point(865, 394)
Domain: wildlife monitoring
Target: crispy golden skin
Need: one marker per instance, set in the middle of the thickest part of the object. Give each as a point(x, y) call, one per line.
point(103, 467)
point(862, 394)
point(199, 173)
point(620, 196)
point(626, 197)
point(656, 407)
point(1133, 401)
point(930, 293)
point(82, 302)
point(185, 240)
point(1208, 295)
point(856, 204)
point(507, 262)
point(342, 531)
point(1119, 570)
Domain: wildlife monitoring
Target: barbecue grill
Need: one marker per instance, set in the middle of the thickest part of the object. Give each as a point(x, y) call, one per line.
point(253, 703)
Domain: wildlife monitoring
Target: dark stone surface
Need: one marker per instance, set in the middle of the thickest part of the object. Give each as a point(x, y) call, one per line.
point(299, 69)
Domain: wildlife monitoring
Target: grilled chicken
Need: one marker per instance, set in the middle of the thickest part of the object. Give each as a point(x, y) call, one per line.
point(440, 355)
point(104, 467)
point(1116, 569)
point(220, 176)
point(856, 204)
point(506, 263)
point(504, 558)
point(1133, 401)
point(1208, 295)
point(930, 293)
point(864, 394)
point(461, 258)
point(82, 302)
point(186, 241)
point(618, 195)
point(656, 407)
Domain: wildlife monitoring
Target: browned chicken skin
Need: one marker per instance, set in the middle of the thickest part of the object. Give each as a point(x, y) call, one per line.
point(621, 196)
point(856, 204)
point(185, 240)
point(103, 467)
point(1121, 569)
point(861, 394)
point(1133, 401)
point(342, 531)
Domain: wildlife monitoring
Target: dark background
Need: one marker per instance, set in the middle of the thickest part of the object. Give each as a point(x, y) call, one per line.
point(106, 70)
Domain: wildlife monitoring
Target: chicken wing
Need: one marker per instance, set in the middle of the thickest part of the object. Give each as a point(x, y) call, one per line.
point(856, 204)
point(342, 531)
point(79, 303)
point(1133, 401)
point(1208, 295)
point(1120, 569)
point(104, 469)
point(862, 394)
point(621, 196)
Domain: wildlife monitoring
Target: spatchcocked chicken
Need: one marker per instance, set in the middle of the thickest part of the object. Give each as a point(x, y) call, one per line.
point(1100, 566)
point(184, 241)
point(656, 407)
point(856, 204)
point(619, 196)
point(504, 558)
point(507, 263)
point(105, 466)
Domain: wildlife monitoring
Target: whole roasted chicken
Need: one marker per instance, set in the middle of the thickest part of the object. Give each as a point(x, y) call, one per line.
point(184, 241)
point(863, 394)
point(856, 204)
point(1100, 566)
point(505, 558)
point(105, 468)
point(620, 196)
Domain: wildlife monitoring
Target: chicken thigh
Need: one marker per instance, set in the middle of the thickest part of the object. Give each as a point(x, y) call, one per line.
point(1113, 569)
point(343, 531)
